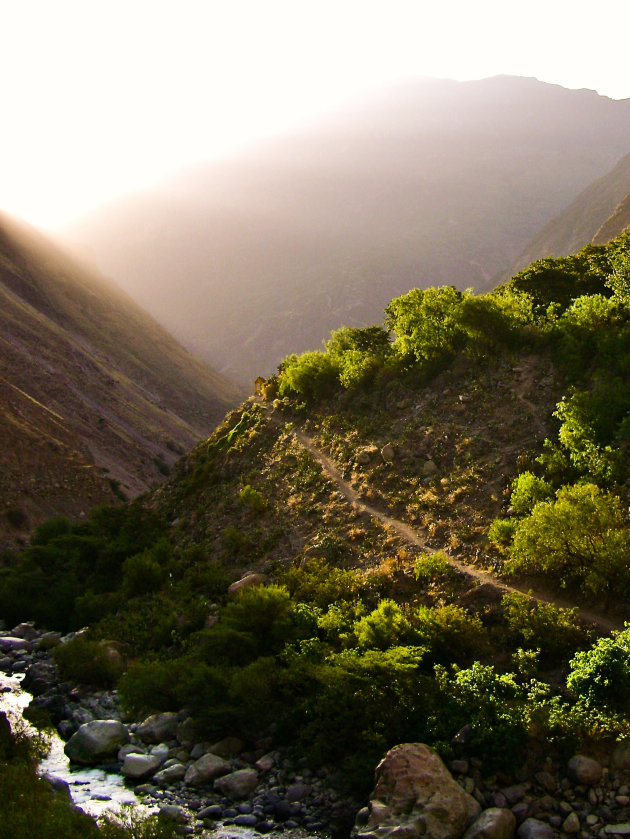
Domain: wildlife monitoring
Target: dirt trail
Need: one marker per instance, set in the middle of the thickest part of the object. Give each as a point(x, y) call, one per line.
point(413, 537)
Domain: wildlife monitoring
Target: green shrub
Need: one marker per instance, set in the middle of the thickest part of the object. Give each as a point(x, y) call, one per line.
point(581, 538)
point(527, 491)
point(555, 632)
point(433, 567)
point(252, 499)
point(312, 374)
point(88, 662)
point(601, 676)
point(385, 627)
point(319, 583)
point(501, 532)
point(450, 634)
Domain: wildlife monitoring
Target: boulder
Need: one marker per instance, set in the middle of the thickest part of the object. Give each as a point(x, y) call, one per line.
point(170, 775)
point(206, 769)
point(95, 741)
point(415, 795)
point(535, 829)
point(158, 727)
point(246, 582)
point(365, 455)
point(238, 784)
point(138, 766)
point(187, 732)
point(584, 770)
point(571, 824)
point(9, 644)
point(494, 823)
point(26, 631)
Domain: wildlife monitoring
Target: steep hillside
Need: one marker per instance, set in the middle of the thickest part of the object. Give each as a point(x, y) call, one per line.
point(428, 531)
point(597, 215)
point(97, 398)
point(426, 183)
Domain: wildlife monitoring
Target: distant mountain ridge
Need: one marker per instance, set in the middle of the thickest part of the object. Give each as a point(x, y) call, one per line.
point(97, 398)
point(426, 183)
point(599, 213)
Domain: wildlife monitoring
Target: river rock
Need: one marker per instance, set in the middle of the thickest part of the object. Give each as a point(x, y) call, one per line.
point(175, 813)
point(414, 795)
point(535, 829)
point(246, 582)
point(238, 784)
point(621, 755)
point(206, 769)
point(40, 677)
point(571, 824)
point(96, 740)
point(26, 631)
point(494, 823)
point(158, 727)
point(584, 770)
point(10, 644)
point(138, 766)
point(170, 775)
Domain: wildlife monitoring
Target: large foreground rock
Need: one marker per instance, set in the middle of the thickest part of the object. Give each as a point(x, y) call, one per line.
point(416, 795)
point(95, 741)
point(138, 766)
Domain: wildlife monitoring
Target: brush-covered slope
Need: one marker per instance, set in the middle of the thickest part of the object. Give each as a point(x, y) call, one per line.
point(598, 214)
point(96, 396)
point(426, 183)
point(400, 492)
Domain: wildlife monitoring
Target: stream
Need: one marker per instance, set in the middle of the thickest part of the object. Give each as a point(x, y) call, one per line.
point(95, 791)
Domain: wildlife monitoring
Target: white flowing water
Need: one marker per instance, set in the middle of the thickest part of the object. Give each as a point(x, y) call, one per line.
point(93, 790)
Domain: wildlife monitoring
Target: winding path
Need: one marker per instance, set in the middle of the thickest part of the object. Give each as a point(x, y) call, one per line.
point(412, 537)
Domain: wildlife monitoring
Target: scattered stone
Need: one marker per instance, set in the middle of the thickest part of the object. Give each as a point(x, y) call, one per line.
point(246, 582)
point(617, 829)
point(138, 766)
point(415, 794)
point(170, 774)
point(535, 829)
point(9, 644)
point(26, 631)
point(175, 813)
point(546, 781)
point(158, 727)
point(515, 793)
point(96, 740)
point(571, 824)
point(620, 758)
point(584, 770)
point(388, 453)
point(494, 823)
point(206, 769)
point(267, 762)
point(238, 784)
point(296, 792)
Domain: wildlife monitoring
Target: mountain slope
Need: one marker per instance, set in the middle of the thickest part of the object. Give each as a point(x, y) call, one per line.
point(585, 219)
point(94, 392)
point(426, 183)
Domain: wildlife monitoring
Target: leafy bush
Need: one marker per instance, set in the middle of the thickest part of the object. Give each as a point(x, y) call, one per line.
point(581, 538)
point(319, 583)
point(527, 491)
point(433, 567)
point(88, 662)
point(555, 632)
point(385, 627)
point(601, 676)
point(312, 374)
point(450, 634)
point(252, 499)
point(501, 532)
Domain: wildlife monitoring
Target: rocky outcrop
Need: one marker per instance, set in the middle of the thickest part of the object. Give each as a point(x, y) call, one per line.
point(416, 795)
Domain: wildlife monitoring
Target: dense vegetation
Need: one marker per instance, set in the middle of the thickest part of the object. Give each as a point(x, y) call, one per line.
point(360, 640)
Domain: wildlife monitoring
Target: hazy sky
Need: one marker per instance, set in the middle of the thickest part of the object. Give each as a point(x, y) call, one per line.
point(100, 97)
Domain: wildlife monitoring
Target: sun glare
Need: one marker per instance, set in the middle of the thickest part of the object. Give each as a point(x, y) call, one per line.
point(102, 98)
